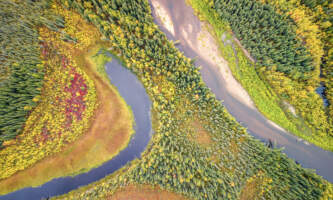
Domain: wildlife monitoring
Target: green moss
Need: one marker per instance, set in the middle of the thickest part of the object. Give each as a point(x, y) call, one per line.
point(100, 59)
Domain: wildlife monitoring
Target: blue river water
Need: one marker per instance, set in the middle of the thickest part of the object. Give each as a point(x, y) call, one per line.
point(131, 89)
point(135, 95)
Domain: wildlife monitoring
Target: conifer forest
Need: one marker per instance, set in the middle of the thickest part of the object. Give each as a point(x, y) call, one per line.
point(166, 99)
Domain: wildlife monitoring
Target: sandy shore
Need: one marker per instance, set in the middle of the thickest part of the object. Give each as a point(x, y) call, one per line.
point(164, 16)
point(206, 46)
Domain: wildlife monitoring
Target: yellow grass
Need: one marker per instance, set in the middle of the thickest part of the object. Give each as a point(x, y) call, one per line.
point(145, 192)
point(200, 134)
point(110, 132)
point(255, 187)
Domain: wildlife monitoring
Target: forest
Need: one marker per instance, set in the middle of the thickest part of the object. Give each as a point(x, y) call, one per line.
point(58, 99)
point(174, 161)
point(314, 28)
point(50, 99)
point(290, 45)
point(267, 36)
point(21, 73)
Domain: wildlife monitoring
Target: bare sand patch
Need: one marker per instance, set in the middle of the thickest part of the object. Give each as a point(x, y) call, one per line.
point(207, 47)
point(164, 16)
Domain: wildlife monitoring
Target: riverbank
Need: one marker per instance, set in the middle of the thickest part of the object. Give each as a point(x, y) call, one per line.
point(188, 32)
point(242, 67)
point(257, 85)
point(174, 161)
point(110, 132)
point(224, 166)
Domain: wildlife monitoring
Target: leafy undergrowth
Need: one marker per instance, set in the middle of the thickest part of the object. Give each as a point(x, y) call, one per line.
point(269, 89)
point(223, 168)
point(68, 94)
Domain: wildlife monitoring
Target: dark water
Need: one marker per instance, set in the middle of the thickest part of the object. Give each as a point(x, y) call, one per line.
point(321, 91)
point(183, 19)
point(135, 95)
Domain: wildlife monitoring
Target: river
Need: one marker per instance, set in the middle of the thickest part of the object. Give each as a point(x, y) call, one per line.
point(131, 89)
point(135, 95)
point(180, 24)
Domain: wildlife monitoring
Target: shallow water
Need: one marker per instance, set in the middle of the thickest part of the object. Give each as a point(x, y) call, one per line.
point(183, 19)
point(131, 89)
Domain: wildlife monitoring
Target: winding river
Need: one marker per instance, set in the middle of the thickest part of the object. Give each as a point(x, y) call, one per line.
point(178, 22)
point(135, 95)
point(131, 89)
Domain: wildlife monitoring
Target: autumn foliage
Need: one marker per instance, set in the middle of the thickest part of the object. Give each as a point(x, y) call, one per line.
point(65, 106)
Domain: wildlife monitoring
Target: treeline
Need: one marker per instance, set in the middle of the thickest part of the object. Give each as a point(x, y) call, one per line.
point(133, 8)
point(21, 68)
point(179, 96)
point(267, 35)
